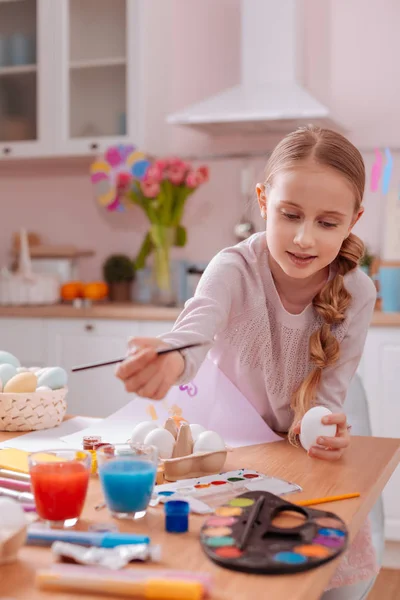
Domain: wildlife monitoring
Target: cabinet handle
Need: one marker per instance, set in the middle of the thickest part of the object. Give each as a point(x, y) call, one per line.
point(89, 327)
point(6, 150)
point(94, 146)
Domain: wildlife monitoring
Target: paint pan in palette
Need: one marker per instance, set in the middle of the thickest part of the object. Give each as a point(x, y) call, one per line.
point(259, 532)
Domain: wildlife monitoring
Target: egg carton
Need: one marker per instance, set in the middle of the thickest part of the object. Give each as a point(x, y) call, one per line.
point(185, 464)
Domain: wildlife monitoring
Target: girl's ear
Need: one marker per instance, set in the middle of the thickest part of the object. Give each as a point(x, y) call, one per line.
point(356, 217)
point(262, 199)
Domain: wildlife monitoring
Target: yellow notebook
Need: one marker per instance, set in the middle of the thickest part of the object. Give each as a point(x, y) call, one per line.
point(17, 460)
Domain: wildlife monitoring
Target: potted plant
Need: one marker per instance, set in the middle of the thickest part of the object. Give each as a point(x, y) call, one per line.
point(119, 272)
point(366, 261)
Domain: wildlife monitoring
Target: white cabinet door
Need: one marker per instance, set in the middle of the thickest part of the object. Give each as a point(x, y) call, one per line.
point(95, 392)
point(98, 84)
point(26, 339)
point(26, 66)
point(381, 368)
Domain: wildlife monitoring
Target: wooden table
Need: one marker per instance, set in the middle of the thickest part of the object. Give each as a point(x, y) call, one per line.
point(366, 468)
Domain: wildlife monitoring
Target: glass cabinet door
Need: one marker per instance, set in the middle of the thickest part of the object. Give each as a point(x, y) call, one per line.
point(97, 69)
point(18, 72)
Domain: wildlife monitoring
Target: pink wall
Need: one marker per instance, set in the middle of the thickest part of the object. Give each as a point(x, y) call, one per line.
point(192, 52)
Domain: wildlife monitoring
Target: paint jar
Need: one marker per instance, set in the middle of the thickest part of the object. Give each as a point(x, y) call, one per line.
point(389, 279)
point(88, 443)
point(176, 516)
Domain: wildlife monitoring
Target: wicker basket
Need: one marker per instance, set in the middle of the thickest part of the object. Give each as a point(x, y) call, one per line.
point(29, 412)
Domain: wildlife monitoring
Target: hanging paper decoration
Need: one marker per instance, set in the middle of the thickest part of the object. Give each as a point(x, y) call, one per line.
point(376, 170)
point(387, 172)
point(112, 174)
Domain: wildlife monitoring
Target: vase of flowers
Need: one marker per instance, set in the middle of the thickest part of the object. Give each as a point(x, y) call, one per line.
point(162, 194)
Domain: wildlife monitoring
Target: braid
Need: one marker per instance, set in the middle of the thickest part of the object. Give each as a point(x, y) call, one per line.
point(331, 303)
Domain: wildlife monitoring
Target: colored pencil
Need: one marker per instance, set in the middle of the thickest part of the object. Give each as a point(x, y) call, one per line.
point(326, 499)
point(118, 360)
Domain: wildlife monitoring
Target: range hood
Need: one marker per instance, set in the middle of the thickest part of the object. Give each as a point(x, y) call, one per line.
point(269, 98)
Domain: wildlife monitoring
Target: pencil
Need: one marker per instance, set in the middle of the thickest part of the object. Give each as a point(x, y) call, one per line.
point(326, 499)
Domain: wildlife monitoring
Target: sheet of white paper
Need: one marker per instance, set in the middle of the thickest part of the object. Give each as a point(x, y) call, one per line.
point(48, 439)
point(210, 399)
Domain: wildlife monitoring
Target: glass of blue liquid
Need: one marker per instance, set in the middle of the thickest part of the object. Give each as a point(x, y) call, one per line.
point(127, 474)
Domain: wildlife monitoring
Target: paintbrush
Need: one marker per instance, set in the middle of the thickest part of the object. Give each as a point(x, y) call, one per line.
point(250, 522)
point(118, 360)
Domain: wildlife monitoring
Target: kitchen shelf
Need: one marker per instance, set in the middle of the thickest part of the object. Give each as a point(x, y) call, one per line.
point(98, 63)
point(17, 70)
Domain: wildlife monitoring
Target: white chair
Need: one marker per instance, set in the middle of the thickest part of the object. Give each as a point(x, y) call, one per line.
point(356, 408)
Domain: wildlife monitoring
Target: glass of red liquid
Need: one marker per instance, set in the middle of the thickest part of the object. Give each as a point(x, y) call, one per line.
point(60, 486)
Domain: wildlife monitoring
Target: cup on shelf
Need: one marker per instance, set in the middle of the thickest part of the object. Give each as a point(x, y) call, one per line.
point(22, 49)
point(389, 280)
point(127, 474)
point(4, 51)
point(60, 486)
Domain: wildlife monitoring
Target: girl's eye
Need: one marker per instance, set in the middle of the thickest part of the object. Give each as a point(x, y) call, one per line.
point(328, 225)
point(290, 216)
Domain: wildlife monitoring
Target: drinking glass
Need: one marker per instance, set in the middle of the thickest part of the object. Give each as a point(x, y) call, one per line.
point(60, 484)
point(127, 474)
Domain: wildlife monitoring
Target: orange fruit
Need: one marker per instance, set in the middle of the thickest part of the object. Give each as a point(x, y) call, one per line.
point(71, 290)
point(95, 290)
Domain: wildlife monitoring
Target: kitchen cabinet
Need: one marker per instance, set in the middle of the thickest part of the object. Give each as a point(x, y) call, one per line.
point(69, 76)
point(380, 374)
point(70, 342)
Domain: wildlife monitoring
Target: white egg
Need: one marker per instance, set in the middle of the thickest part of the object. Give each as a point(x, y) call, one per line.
point(23, 370)
point(35, 369)
point(196, 430)
point(163, 440)
point(7, 372)
point(312, 427)
point(141, 430)
point(208, 441)
point(12, 516)
point(43, 388)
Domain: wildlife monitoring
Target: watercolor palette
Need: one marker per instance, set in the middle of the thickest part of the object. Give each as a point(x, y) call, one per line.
point(217, 489)
point(250, 534)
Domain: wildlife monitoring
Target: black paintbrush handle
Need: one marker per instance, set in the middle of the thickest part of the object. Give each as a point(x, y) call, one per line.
point(250, 522)
point(118, 360)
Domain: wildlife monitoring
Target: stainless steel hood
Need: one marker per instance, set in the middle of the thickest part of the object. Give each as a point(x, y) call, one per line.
point(269, 98)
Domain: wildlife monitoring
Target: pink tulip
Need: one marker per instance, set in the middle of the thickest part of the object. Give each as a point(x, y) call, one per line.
point(150, 189)
point(203, 174)
point(153, 174)
point(176, 174)
point(179, 164)
point(161, 164)
point(192, 179)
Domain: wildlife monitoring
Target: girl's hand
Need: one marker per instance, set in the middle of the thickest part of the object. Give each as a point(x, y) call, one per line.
point(145, 372)
point(332, 447)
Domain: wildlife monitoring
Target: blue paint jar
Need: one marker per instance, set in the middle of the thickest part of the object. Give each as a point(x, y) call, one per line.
point(176, 516)
point(389, 279)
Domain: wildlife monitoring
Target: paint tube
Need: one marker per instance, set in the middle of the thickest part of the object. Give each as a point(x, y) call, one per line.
point(111, 558)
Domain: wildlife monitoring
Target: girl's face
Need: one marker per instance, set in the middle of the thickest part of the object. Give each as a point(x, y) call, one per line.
point(309, 211)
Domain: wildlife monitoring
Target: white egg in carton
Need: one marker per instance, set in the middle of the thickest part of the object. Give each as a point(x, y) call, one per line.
point(187, 451)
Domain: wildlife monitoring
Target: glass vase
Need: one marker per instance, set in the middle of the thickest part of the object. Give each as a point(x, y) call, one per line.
point(163, 292)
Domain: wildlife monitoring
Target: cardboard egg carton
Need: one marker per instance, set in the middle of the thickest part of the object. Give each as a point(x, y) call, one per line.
point(184, 464)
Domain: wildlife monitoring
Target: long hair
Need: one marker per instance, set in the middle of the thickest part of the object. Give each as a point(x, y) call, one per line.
point(328, 148)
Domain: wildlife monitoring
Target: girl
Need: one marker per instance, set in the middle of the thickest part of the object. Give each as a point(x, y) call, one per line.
point(285, 312)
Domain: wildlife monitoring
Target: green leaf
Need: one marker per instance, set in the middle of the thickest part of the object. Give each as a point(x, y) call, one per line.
point(180, 236)
point(145, 249)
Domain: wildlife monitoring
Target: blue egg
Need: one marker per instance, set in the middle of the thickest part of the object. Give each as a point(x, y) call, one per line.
point(53, 377)
point(9, 359)
point(7, 372)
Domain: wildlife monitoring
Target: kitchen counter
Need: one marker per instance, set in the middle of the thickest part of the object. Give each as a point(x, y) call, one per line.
point(134, 312)
point(103, 310)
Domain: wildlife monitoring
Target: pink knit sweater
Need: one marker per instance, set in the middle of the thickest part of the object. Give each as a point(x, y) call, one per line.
point(264, 350)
